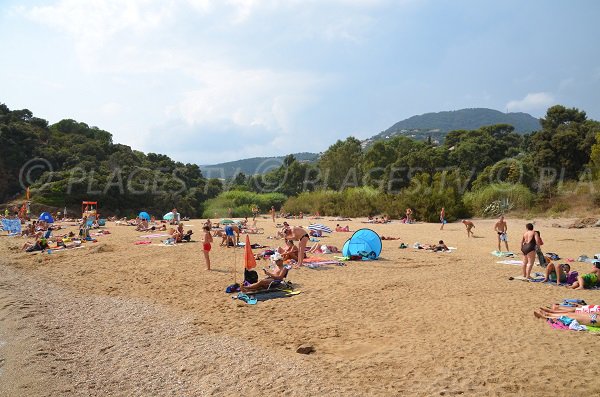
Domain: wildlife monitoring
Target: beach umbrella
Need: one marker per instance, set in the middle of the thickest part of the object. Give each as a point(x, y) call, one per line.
point(227, 222)
point(46, 217)
point(168, 216)
point(146, 216)
point(319, 227)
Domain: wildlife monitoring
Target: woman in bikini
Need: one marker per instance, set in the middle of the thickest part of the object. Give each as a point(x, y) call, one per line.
point(299, 234)
point(529, 242)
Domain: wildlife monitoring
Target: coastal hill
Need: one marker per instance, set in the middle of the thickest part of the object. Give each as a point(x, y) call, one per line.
point(437, 125)
point(251, 166)
point(419, 127)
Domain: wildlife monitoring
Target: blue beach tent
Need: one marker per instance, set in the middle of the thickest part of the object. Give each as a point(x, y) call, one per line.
point(46, 217)
point(144, 215)
point(364, 242)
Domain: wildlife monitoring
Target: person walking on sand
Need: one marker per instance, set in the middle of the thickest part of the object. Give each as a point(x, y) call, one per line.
point(299, 234)
point(273, 213)
point(469, 225)
point(442, 218)
point(501, 228)
point(206, 245)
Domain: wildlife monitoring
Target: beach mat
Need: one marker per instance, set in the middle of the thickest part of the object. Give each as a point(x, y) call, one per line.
point(521, 278)
point(510, 262)
point(155, 235)
point(501, 254)
point(261, 297)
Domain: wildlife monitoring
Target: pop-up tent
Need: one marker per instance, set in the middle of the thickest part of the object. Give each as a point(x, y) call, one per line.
point(144, 215)
point(46, 217)
point(364, 242)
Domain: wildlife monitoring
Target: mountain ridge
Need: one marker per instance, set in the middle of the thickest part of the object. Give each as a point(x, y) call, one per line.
point(438, 124)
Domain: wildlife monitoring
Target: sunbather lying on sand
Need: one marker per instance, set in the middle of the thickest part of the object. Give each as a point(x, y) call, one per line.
point(582, 318)
point(389, 238)
point(339, 228)
point(439, 247)
point(576, 308)
point(272, 276)
point(323, 249)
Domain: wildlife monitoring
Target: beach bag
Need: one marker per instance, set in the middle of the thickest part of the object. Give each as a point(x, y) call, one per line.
point(250, 276)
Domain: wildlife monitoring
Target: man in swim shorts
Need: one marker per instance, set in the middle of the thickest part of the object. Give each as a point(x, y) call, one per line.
point(501, 228)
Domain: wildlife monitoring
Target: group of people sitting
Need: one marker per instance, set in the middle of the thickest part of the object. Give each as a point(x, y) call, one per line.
point(42, 243)
point(562, 274)
point(178, 235)
point(383, 219)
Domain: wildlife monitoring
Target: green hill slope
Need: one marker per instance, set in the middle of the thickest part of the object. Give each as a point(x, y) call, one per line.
point(437, 125)
point(251, 166)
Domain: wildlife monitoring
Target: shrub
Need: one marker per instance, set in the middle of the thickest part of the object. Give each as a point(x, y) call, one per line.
point(498, 198)
point(241, 203)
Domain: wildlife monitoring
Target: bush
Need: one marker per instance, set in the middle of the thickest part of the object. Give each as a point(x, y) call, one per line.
point(241, 203)
point(499, 198)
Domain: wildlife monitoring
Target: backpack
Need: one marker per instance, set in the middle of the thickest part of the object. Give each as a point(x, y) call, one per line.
point(250, 276)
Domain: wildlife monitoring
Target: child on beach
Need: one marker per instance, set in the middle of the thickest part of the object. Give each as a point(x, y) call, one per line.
point(206, 246)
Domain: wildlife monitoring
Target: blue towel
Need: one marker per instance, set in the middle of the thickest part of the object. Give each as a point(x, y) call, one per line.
point(12, 226)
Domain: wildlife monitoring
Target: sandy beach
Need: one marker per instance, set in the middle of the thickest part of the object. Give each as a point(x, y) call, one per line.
point(119, 319)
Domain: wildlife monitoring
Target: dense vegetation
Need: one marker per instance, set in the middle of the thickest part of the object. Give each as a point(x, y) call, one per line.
point(483, 171)
point(68, 162)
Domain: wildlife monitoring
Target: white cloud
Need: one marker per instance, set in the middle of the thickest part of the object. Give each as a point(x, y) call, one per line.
point(531, 102)
point(245, 97)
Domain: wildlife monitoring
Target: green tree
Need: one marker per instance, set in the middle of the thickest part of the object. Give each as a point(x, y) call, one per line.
point(565, 141)
point(340, 164)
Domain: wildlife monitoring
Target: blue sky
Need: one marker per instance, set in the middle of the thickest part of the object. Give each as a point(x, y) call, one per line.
point(207, 81)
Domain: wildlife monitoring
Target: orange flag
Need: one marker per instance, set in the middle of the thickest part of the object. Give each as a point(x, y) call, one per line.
point(27, 194)
point(249, 259)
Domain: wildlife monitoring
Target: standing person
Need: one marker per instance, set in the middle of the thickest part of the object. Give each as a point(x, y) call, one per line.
point(273, 213)
point(528, 244)
point(442, 218)
point(254, 212)
point(469, 225)
point(501, 228)
point(408, 215)
point(175, 219)
point(206, 245)
point(299, 234)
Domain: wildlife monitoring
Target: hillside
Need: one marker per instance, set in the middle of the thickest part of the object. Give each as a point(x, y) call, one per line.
point(251, 166)
point(437, 125)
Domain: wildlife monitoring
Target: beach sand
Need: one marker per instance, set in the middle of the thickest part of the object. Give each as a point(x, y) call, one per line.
point(118, 319)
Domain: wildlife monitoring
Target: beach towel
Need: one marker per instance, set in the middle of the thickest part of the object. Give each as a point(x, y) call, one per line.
point(245, 298)
point(510, 262)
point(503, 254)
point(155, 235)
point(267, 295)
point(143, 242)
point(315, 262)
point(12, 226)
point(521, 278)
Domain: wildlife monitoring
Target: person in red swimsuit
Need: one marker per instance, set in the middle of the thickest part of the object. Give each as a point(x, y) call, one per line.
point(206, 245)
